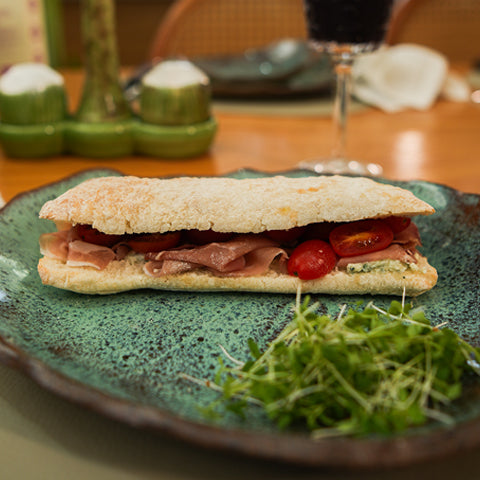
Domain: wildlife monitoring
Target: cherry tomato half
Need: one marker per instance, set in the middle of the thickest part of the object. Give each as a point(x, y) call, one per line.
point(311, 259)
point(202, 237)
point(154, 242)
point(91, 235)
point(357, 238)
point(397, 224)
point(286, 236)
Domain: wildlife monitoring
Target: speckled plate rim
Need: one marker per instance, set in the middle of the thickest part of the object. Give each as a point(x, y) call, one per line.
point(372, 452)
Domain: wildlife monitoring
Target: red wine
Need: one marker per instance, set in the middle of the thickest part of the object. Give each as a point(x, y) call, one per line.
point(347, 21)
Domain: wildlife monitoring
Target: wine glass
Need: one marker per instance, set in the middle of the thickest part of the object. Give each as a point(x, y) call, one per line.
point(344, 29)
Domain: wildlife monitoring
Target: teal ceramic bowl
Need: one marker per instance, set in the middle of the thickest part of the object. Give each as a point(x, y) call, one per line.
point(123, 355)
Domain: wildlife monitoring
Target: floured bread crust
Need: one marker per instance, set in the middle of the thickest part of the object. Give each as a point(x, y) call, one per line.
point(118, 205)
point(128, 275)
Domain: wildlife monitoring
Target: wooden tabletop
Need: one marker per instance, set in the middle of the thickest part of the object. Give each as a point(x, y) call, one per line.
point(440, 145)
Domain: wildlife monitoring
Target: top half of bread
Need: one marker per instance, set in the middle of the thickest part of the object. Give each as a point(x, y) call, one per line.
point(118, 205)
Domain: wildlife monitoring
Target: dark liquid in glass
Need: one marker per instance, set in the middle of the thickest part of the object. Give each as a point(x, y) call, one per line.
point(347, 21)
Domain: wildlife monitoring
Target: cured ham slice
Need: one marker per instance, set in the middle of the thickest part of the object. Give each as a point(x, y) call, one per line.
point(393, 252)
point(65, 246)
point(409, 238)
point(259, 260)
point(55, 244)
point(83, 254)
point(244, 255)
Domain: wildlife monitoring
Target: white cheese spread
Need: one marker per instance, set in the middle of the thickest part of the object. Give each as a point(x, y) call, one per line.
point(29, 77)
point(175, 74)
point(384, 266)
point(378, 266)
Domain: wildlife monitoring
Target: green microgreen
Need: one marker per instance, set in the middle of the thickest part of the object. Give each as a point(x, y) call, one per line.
point(368, 370)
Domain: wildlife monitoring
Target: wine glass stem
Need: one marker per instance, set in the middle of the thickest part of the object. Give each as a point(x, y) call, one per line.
point(343, 73)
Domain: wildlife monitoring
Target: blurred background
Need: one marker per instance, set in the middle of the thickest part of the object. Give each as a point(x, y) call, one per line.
point(49, 30)
point(137, 21)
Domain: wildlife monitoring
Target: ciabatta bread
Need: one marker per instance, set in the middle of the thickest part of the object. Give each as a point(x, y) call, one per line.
point(131, 205)
point(118, 205)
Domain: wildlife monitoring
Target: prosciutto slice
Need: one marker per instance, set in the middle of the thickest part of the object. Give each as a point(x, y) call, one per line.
point(83, 254)
point(392, 252)
point(55, 244)
point(244, 255)
point(66, 246)
point(409, 238)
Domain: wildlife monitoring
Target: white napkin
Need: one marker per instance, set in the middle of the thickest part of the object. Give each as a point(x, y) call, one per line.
point(2, 201)
point(405, 76)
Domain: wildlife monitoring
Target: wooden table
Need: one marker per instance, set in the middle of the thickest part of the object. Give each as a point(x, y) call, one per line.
point(440, 145)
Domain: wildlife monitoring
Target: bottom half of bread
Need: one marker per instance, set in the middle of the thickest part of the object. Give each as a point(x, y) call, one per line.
point(125, 275)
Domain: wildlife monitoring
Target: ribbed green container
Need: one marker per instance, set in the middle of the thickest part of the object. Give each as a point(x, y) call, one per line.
point(174, 141)
point(34, 107)
point(175, 106)
point(175, 92)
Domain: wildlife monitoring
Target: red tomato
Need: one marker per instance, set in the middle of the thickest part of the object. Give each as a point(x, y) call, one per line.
point(311, 259)
point(91, 235)
point(364, 236)
point(202, 237)
point(397, 224)
point(154, 242)
point(286, 236)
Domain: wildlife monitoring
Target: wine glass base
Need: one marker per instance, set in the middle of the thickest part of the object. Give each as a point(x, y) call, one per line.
point(341, 166)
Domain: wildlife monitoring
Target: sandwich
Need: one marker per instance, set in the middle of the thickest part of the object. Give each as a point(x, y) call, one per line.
point(319, 234)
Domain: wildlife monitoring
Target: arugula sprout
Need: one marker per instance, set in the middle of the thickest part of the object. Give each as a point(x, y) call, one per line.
point(367, 371)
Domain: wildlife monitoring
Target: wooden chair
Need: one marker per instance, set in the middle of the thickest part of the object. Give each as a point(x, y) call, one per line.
point(451, 27)
point(216, 27)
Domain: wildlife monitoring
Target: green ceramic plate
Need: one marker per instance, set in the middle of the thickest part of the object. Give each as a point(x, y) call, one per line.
point(121, 355)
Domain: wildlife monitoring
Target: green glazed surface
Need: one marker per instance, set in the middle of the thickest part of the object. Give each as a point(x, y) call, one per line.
point(122, 355)
point(99, 140)
point(174, 141)
point(31, 141)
